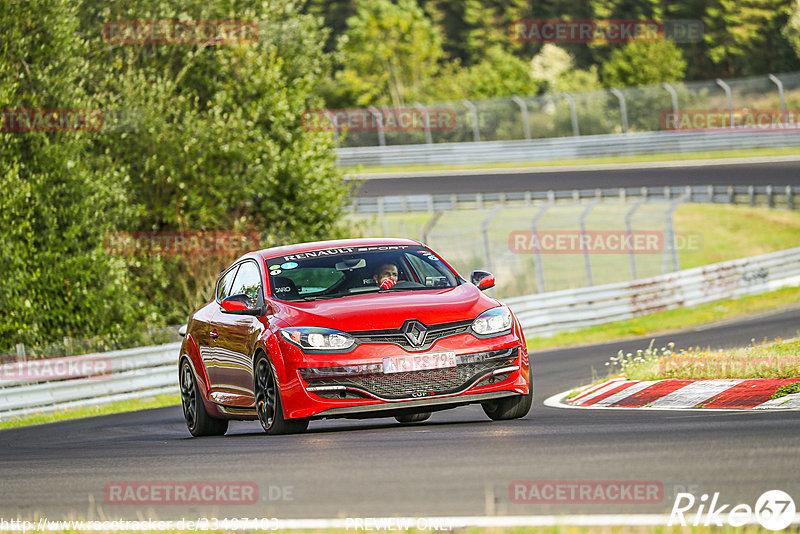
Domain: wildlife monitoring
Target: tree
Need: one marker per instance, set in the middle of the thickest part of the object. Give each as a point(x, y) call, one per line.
point(644, 63)
point(391, 52)
point(60, 198)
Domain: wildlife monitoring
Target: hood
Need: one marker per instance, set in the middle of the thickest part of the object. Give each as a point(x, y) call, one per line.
point(379, 311)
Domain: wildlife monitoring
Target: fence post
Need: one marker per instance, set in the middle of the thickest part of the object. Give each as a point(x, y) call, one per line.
point(770, 198)
point(728, 97)
point(426, 122)
point(731, 195)
point(523, 110)
point(379, 119)
point(573, 112)
point(674, 95)
point(629, 230)
point(476, 131)
point(623, 109)
point(487, 247)
point(751, 194)
point(587, 263)
point(774, 79)
point(479, 200)
point(789, 198)
point(537, 258)
point(670, 248)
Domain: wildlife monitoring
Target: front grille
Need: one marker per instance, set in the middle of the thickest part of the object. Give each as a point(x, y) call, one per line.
point(417, 384)
point(396, 336)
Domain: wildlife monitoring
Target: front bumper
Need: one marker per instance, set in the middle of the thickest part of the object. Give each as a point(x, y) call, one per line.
point(346, 385)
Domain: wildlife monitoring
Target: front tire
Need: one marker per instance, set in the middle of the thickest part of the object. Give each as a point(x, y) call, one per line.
point(268, 402)
point(198, 421)
point(412, 417)
point(509, 407)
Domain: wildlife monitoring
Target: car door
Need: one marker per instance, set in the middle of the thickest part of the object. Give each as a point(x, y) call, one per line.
point(230, 364)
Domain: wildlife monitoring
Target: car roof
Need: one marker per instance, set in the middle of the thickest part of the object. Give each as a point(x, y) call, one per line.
point(335, 243)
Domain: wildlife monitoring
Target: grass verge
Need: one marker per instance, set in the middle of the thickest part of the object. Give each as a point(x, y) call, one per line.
point(89, 411)
point(641, 158)
point(670, 320)
point(775, 359)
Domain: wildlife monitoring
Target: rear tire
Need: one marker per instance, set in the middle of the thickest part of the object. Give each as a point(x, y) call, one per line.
point(198, 421)
point(509, 407)
point(412, 417)
point(268, 402)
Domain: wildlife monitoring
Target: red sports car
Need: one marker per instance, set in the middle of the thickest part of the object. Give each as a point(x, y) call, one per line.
point(351, 328)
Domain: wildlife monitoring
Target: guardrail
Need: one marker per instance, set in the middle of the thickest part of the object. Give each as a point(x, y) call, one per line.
point(545, 314)
point(771, 196)
point(94, 379)
point(558, 148)
point(45, 385)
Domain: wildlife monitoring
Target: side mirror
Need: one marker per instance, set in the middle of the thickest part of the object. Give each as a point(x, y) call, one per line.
point(482, 279)
point(182, 330)
point(241, 304)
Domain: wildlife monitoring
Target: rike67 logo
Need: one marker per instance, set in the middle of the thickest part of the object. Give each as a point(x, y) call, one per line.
point(774, 510)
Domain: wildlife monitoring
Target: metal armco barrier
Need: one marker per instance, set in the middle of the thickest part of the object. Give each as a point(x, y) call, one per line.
point(545, 314)
point(96, 379)
point(558, 148)
point(718, 194)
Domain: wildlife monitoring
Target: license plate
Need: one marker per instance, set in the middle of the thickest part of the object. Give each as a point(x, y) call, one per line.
point(419, 362)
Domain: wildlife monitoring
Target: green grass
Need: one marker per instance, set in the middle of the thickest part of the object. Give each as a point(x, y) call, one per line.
point(76, 413)
point(670, 320)
point(775, 359)
point(641, 158)
point(788, 389)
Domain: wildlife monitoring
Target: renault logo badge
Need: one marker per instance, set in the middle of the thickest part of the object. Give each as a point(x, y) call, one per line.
point(415, 333)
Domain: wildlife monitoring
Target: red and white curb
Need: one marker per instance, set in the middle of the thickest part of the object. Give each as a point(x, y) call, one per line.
point(682, 394)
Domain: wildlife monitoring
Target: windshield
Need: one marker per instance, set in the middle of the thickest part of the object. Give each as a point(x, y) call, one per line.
point(343, 271)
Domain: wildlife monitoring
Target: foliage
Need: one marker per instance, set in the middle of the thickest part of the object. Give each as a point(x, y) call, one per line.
point(644, 63)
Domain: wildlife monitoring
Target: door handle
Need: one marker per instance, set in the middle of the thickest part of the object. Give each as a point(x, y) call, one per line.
point(214, 335)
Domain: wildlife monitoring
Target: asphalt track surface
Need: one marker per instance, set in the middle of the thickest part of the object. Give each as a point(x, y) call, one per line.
point(776, 174)
point(456, 463)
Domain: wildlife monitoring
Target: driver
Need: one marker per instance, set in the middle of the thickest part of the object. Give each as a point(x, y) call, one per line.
point(386, 275)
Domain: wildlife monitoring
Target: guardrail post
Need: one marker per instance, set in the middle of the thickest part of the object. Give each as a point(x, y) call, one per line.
point(537, 258)
point(770, 198)
point(426, 121)
point(710, 194)
point(430, 203)
point(523, 111)
point(454, 201)
point(623, 194)
point(774, 79)
point(576, 196)
point(751, 194)
point(728, 97)
point(379, 119)
point(404, 203)
point(673, 95)
point(573, 112)
point(587, 263)
point(789, 198)
point(731, 195)
point(479, 200)
point(476, 131)
point(629, 230)
point(551, 196)
point(623, 109)
point(381, 207)
point(527, 198)
point(644, 191)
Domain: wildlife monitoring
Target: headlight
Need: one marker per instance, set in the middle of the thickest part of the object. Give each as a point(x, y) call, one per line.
point(315, 338)
point(493, 321)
